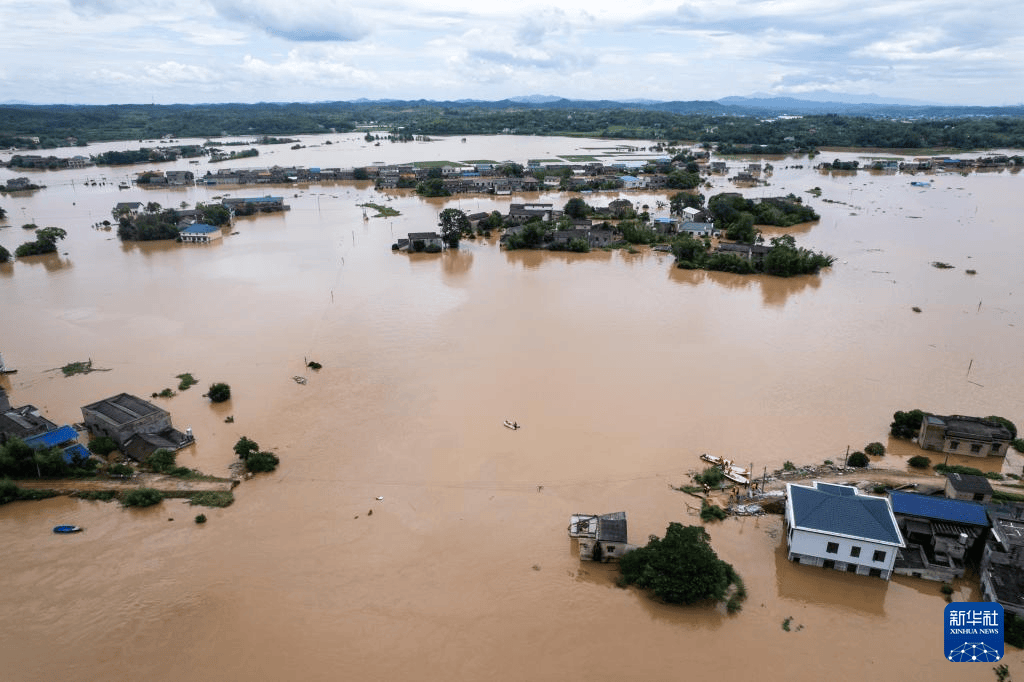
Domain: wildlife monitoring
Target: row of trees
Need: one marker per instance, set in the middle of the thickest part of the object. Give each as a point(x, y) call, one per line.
point(158, 223)
point(20, 460)
point(785, 259)
point(45, 242)
point(737, 216)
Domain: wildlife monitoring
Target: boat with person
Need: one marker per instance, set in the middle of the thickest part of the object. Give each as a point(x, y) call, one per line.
point(512, 425)
point(726, 465)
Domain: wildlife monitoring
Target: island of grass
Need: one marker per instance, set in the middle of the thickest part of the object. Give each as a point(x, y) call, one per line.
point(382, 211)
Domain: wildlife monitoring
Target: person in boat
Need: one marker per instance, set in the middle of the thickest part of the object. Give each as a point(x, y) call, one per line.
point(515, 425)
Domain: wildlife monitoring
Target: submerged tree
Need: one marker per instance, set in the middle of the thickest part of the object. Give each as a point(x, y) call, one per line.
point(682, 568)
point(453, 223)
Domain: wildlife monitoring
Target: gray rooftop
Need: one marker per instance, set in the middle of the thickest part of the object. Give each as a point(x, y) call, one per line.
point(966, 483)
point(830, 509)
point(123, 409)
point(612, 527)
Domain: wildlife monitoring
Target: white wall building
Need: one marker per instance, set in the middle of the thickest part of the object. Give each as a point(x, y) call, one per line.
point(835, 526)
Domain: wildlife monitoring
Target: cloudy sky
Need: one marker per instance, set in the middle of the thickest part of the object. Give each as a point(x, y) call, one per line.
point(168, 51)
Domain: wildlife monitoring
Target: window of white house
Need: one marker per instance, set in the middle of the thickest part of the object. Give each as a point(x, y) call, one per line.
point(879, 555)
point(855, 551)
point(832, 548)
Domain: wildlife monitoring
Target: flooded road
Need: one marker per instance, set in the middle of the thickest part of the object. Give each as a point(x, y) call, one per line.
point(621, 369)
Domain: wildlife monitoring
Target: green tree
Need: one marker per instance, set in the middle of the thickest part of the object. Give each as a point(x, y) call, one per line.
point(360, 174)
point(453, 224)
point(919, 462)
point(46, 242)
point(102, 445)
point(213, 214)
point(261, 462)
point(875, 449)
point(682, 568)
point(141, 497)
point(432, 187)
point(219, 392)
point(857, 459)
point(906, 424)
point(3, 213)
point(742, 229)
point(689, 251)
point(576, 208)
point(245, 447)
point(681, 200)
point(5, 255)
point(162, 461)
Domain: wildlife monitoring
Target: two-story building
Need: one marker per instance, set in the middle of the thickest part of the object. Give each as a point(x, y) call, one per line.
point(959, 435)
point(137, 426)
point(836, 526)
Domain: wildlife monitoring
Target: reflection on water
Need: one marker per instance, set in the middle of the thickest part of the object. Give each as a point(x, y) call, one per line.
point(621, 368)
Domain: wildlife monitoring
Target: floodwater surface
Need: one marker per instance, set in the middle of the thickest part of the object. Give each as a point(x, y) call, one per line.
point(621, 368)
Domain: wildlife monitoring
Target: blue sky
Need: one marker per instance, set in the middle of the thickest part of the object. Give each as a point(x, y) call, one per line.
point(118, 51)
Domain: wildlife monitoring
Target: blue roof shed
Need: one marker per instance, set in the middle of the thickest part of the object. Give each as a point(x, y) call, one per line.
point(938, 508)
point(64, 434)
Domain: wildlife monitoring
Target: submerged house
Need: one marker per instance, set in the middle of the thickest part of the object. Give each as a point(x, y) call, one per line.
point(836, 526)
point(139, 427)
point(21, 422)
point(939, 534)
point(959, 435)
point(200, 233)
point(1002, 563)
point(968, 487)
point(601, 538)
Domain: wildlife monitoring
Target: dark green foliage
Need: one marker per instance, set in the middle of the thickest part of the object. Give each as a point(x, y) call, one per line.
point(141, 497)
point(213, 214)
point(102, 445)
point(906, 424)
point(20, 460)
point(681, 200)
point(958, 469)
point(187, 380)
point(312, 364)
point(10, 492)
point(711, 512)
point(148, 226)
point(200, 518)
point(857, 459)
point(360, 174)
point(919, 462)
point(219, 392)
point(46, 242)
point(533, 236)
point(577, 208)
point(682, 180)
point(682, 568)
point(728, 262)
point(637, 232)
point(261, 462)
point(689, 250)
point(786, 259)
point(1005, 422)
point(212, 498)
point(1018, 444)
point(875, 449)
point(5, 255)
point(120, 471)
point(97, 495)
point(162, 461)
point(245, 447)
point(711, 477)
point(432, 187)
point(788, 466)
point(166, 393)
point(453, 223)
point(946, 588)
point(578, 245)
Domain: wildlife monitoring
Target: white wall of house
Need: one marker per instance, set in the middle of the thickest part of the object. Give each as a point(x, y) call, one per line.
point(803, 543)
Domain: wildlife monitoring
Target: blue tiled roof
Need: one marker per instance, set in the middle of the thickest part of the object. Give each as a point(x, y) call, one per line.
point(199, 228)
point(939, 508)
point(52, 438)
point(826, 510)
point(76, 451)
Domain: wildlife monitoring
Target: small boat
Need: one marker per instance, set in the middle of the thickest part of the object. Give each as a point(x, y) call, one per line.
point(724, 464)
point(66, 529)
point(918, 183)
point(734, 476)
point(512, 425)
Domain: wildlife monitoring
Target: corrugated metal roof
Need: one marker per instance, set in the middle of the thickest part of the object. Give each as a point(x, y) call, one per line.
point(199, 228)
point(968, 483)
point(860, 516)
point(52, 438)
point(940, 508)
point(76, 451)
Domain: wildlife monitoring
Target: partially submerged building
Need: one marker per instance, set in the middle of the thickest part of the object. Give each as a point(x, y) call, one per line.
point(139, 427)
point(939, 533)
point(1002, 564)
point(959, 435)
point(835, 526)
point(968, 487)
point(600, 537)
point(21, 422)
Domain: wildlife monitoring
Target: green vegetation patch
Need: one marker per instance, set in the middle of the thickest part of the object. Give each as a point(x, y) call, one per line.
point(433, 164)
point(99, 495)
point(10, 492)
point(141, 497)
point(185, 381)
point(73, 368)
point(577, 158)
point(382, 211)
point(212, 498)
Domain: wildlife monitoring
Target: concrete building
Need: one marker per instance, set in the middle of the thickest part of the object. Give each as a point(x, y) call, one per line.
point(138, 427)
point(835, 526)
point(1002, 563)
point(601, 538)
point(939, 534)
point(959, 435)
point(200, 233)
point(968, 487)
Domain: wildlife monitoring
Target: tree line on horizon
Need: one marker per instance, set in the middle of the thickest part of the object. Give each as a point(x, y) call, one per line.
point(63, 125)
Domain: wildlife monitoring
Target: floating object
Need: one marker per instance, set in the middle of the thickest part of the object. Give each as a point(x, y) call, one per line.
point(726, 466)
point(66, 529)
point(512, 425)
point(918, 183)
point(299, 380)
point(380, 497)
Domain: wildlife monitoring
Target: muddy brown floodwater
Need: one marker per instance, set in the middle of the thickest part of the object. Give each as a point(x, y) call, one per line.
point(621, 369)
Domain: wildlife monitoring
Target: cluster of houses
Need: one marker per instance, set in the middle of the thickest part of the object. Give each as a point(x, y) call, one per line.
point(597, 232)
point(931, 535)
point(194, 232)
point(138, 427)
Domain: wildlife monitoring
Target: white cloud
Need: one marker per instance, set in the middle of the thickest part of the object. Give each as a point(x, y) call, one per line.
point(327, 20)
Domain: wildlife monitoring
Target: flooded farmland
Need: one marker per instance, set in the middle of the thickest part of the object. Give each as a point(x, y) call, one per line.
point(621, 368)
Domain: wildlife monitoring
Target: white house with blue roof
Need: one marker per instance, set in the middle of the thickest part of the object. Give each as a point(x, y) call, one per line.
point(835, 526)
point(200, 233)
